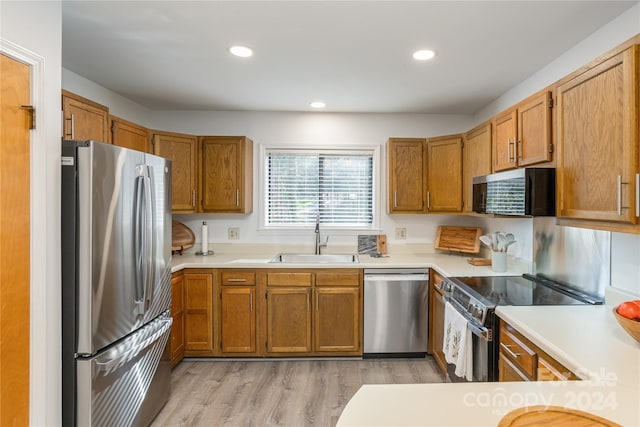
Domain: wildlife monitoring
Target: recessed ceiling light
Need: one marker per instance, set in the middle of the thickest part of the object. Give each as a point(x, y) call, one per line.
point(241, 51)
point(318, 104)
point(423, 55)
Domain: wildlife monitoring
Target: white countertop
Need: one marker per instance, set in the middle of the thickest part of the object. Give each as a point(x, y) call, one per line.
point(447, 265)
point(586, 339)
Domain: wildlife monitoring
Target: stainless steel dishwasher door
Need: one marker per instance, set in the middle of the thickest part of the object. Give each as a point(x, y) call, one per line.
point(395, 312)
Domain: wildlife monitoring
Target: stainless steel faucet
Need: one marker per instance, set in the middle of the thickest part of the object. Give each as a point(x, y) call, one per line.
point(319, 245)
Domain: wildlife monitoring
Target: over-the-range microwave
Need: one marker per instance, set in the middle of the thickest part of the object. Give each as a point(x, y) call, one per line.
point(525, 191)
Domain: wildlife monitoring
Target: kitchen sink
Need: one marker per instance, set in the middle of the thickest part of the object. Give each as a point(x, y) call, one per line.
point(316, 259)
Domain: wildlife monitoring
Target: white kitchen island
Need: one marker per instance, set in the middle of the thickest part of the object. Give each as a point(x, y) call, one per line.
point(586, 339)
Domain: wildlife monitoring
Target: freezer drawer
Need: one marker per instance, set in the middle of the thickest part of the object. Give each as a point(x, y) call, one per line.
point(396, 312)
point(112, 386)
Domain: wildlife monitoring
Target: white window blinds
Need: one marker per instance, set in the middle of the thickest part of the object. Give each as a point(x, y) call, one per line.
point(301, 184)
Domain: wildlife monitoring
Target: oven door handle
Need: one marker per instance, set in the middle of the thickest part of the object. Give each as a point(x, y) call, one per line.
point(481, 332)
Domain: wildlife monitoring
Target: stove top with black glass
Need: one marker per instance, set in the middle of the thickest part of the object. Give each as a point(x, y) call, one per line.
point(479, 295)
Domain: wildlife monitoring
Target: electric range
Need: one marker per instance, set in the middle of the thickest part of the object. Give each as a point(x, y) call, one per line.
point(477, 297)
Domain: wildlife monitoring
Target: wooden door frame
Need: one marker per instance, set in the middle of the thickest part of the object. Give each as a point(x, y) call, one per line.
point(41, 287)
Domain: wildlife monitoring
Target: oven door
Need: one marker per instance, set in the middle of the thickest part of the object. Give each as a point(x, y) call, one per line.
point(485, 366)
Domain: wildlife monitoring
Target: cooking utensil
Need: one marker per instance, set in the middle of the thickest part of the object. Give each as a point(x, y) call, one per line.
point(502, 240)
point(486, 240)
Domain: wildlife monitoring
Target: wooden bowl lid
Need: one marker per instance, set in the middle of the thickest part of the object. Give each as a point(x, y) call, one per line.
point(181, 237)
point(552, 415)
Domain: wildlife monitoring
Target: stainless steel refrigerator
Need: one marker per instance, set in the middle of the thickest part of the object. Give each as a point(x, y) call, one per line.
point(116, 285)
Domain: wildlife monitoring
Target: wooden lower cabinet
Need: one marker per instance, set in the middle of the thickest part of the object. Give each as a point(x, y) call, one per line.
point(198, 310)
point(314, 312)
point(436, 321)
point(521, 360)
point(289, 320)
point(177, 313)
point(268, 312)
point(238, 319)
point(337, 319)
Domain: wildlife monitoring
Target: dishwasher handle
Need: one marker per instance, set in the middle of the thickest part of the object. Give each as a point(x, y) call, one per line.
point(399, 277)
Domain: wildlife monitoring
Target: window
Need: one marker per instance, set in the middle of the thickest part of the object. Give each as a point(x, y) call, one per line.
point(337, 185)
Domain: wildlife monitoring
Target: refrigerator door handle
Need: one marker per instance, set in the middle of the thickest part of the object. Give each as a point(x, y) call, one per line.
point(138, 240)
point(149, 245)
point(120, 356)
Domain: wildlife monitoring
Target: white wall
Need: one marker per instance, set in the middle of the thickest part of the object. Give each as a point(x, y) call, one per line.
point(36, 26)
point(625, 262)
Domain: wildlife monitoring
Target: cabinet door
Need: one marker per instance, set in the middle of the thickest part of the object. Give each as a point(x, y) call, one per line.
point(226, 174)
point(129, 135)
point(476, 160)
point(444, 171)
point(198, 328)
point(238, 319)
point(534, 130)
point(507, 371)
point(337, 319)
point(504, 140)
point(289, 320)
point(181, 150)
point(598, 141)
point(406, 175)
point(438, 329)
point(84, 119)
point(177, 312)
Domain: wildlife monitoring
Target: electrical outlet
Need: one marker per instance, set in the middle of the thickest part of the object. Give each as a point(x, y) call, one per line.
point(233, 233)
point(401, 233)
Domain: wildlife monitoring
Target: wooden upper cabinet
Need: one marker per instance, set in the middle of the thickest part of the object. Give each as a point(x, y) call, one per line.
point(181, 150)
point(406, 175)
point(522, 135)
point(444, 174)
point(504, 136)
point(129, 135)
point(598, 141)
point(534, 144)
point(226, 174)
point(476, 160)
point(84, 119)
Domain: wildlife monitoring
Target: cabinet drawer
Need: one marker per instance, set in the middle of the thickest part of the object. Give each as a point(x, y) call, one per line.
point(337, 278)
point(519, 353)
point(238, 278)
point(289, 279)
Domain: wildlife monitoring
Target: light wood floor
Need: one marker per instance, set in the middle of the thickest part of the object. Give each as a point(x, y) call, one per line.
point(292, 393)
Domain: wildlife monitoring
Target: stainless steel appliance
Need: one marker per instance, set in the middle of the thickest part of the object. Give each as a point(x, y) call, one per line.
point(116, 284)
point(395, 312)
point(476, 299)
point(530, 191)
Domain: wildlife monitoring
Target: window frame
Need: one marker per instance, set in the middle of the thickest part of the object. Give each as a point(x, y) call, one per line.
point(374, 150)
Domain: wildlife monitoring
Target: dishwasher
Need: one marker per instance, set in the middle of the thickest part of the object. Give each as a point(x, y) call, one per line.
point(395, 312)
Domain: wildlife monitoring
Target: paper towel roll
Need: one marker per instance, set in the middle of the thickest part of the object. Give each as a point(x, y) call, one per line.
point(205, 237)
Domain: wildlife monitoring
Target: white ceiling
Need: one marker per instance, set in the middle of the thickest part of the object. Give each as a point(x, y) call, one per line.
point(353, 55)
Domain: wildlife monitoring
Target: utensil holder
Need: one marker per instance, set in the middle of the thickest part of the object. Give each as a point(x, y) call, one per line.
point(499, 262)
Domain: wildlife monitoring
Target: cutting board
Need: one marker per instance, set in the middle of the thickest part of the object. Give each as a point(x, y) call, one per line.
point(181, 237)
point(372, 244)
point(552, 415)
point(458, 239)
